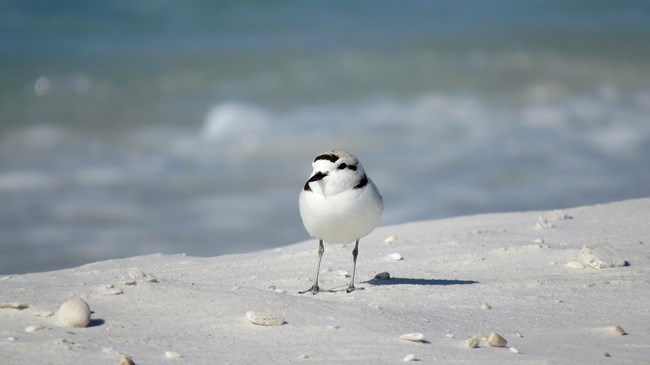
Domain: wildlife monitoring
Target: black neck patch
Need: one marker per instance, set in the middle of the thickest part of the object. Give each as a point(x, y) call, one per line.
point(363, 182)
point(327, 156)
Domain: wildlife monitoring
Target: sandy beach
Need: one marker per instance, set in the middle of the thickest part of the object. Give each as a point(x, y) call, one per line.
point(457, 278)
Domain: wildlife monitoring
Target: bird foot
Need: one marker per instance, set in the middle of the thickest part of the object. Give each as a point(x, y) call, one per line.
point(352, 288)
point(315, 289)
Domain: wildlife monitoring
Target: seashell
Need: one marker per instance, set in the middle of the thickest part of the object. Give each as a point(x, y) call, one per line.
point(34, 328)
point(382, 276)
point(173, 355)
point(619, 331)
point(415, 337)
point(496, 340)
point(538, 241)
point(394, 257)
point(391, 239)
point(514, 350)
point(485, 306)
point(606, 354)
point(265, 318)
point(473, 342)
point(409, 357)
point(543, 223)
point(137, 274)
point(126, 360)
point(74, 313)
point(11, 338)
point(602, 256)
point(575, 264)
point(342, 273)
point(19, 306)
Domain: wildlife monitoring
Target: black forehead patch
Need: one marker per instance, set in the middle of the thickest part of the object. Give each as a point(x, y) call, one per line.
point(327, 156)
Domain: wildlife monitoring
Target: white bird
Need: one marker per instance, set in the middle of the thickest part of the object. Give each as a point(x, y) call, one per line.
point(339, 204)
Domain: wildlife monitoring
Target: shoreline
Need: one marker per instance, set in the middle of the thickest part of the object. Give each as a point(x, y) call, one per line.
point(501, 272)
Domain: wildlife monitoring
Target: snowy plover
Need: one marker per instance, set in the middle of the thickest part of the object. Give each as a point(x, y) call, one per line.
point(339, 204)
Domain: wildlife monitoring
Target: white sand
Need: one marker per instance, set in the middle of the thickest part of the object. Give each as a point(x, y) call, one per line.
point(458, 277)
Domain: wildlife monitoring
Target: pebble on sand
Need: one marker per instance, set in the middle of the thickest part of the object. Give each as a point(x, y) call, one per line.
point(619, 331)
point(496, 340)
point(74, 313)
point(383, 276)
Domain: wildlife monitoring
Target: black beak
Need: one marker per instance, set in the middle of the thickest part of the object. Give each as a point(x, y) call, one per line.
point(317, 177)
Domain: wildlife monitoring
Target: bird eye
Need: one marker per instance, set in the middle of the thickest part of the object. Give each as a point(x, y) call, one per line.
point(342, 166)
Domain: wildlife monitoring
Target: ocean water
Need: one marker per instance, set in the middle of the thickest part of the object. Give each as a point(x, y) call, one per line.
point(130, 127)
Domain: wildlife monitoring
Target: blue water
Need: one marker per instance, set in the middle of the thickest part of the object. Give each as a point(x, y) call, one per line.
point(189, 126)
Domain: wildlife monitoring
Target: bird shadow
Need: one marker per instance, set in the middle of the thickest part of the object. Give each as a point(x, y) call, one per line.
point(414, 281)
point(96, 322)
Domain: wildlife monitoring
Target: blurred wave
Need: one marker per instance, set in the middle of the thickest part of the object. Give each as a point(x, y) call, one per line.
point(187, 126)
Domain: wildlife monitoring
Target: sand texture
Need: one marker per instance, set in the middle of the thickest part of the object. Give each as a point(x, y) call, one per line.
point(457, 279)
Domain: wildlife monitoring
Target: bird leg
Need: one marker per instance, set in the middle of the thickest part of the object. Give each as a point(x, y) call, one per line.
point(314, 288)
point(355, 252)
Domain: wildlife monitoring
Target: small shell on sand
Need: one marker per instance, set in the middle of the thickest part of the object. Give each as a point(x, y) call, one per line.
point(409, 357)
point(34, 328)
point(265, 318)
point(136, 273)
point(496, 340)
point(473, 342)
point(173, 355)
point(394, 257)
point(415, 337)
point(602, 256)
point(74, 313)
point(575, 264)
point(514, 350)
point(619, 331)
point(19, 306)
point(543, 223)
point(126, 360)
point(382, 276)
point(391, 239)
